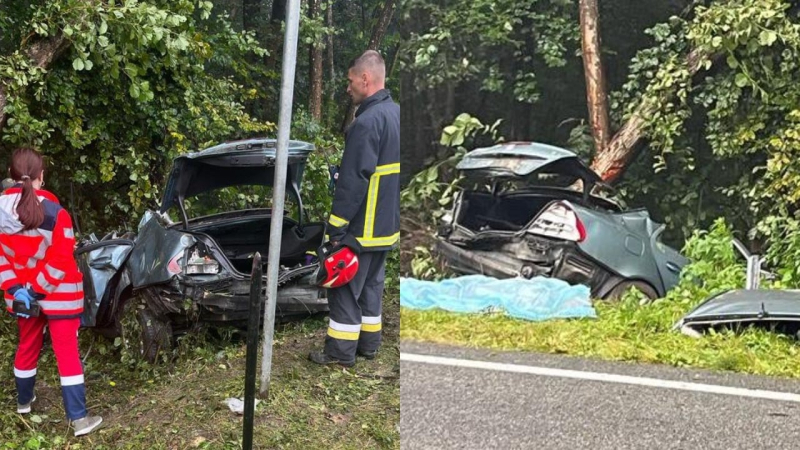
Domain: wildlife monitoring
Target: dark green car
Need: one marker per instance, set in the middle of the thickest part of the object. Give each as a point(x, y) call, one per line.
point(534, 209)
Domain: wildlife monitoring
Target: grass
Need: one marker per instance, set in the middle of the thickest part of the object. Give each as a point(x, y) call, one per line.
point(623, 331)
point(181, 405)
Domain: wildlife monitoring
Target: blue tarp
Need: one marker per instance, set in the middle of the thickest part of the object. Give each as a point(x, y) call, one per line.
point(538, 298)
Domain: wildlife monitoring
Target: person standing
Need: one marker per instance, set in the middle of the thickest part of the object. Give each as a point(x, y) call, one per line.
point(365, 214)
point(38, 271)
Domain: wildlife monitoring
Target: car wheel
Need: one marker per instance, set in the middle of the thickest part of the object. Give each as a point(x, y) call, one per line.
point(156, 335)
point(143, 334)
point(620, 289)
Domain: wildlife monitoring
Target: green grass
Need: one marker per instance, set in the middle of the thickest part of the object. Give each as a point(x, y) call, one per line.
point(624, 331)
point(180, 405)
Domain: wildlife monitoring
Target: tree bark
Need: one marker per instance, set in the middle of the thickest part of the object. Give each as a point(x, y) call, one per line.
point(378, 31)
point(42, 53)
point(315, 68)
point(596, 94)
point(612, 161)
point(331, 61)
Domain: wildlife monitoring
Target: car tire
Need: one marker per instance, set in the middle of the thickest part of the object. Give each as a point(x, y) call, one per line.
point(143, 334)
point(156, 336)
point(620, 289)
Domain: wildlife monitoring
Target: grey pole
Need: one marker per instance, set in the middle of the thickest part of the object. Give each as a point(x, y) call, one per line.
point(279, 186)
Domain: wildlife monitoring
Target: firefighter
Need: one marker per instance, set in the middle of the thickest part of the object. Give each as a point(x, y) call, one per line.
point(42, 285)
point(365, 214)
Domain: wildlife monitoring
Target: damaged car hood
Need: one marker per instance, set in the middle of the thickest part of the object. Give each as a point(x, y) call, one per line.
point(247, 162)
point(745, 306)
point(524, 159)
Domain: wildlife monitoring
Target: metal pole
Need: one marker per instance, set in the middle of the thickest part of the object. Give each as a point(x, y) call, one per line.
point(279, 186)
point(252, 351)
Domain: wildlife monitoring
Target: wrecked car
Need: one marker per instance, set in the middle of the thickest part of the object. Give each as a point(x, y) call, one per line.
point(197, 269)
point(524, 217)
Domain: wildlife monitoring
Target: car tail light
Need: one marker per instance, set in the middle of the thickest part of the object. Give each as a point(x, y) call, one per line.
point(174, 265)
point(201, 264)
point(559, 221)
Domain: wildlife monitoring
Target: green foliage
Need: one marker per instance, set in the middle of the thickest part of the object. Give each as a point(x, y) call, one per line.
point(723, 142)
point(133, 91)
point(464, 36)
point(434, 187)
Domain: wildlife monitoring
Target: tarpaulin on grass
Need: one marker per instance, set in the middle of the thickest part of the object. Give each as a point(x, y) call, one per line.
point(538, 298)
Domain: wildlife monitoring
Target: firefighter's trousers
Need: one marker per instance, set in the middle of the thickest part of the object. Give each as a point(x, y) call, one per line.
point(355, 310)
point(64, 337)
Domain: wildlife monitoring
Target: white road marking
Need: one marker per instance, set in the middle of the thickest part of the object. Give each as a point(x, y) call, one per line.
point(602, 377)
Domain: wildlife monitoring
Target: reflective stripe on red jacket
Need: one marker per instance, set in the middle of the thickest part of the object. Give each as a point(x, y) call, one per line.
point(41, 259)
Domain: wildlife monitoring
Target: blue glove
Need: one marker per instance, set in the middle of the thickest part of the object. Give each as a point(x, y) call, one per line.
point(24, 296)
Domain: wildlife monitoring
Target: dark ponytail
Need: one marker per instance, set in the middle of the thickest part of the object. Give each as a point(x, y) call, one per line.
point(26, 166)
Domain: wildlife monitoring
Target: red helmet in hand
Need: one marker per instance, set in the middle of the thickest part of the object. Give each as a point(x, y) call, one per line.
point(337, 265)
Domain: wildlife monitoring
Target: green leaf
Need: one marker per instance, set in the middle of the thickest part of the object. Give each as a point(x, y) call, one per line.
point(741, 80)
point(767, 37)
point(103, 27)
point(77, 64)
point(102, 41)
point(88, 64)
point(732, 62)
point(134, 90)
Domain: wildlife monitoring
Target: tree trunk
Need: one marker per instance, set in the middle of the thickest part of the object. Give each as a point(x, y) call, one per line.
point(611, 162)
point(315, 68)
point(42, 53)
point(596, 95)
point(331, 61)
point(381, 25)
point(378, 31)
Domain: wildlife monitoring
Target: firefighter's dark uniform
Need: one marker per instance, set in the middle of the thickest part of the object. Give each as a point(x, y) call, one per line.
point(366, 206)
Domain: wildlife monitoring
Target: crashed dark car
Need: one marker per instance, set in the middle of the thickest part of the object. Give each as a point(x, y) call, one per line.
point(197, 269)
point(523, 217)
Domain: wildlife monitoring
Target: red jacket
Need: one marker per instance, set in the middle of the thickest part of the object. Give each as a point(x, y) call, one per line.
point(41, 259)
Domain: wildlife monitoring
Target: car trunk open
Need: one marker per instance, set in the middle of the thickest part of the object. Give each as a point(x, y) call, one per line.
point(239, 235)
point(519, 162)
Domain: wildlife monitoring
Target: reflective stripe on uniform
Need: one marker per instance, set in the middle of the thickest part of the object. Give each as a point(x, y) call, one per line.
point(372, 195)
point(343, 331)
point(61, 305)
point(72, 381)
point(3, 261)
point(371, 323)
point(68, 233)
point(42, 281)
point(379, 241)
point(24, 373)
point(7, 250)
point(31, 263)
point(41, 251)
point(18, 266)
point(69, 288)
point(7, 275)
point(55, 273)
point(337, 221)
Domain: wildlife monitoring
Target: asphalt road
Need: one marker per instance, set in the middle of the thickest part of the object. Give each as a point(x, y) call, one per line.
point(445, 407)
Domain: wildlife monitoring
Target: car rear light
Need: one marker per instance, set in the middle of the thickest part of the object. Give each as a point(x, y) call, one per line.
point(559, 221)
point(174, 265)
point(196, 265)
point(201, 264)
